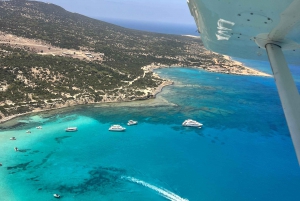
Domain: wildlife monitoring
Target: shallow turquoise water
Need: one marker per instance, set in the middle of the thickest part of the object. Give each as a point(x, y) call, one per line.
point(243, 152)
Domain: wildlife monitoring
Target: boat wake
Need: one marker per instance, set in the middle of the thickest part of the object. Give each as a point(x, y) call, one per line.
point(163, 192)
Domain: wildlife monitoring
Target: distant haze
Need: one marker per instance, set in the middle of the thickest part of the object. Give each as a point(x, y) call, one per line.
point(162, 11)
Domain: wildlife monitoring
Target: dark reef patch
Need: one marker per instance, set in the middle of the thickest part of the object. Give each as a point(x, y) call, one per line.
point(23, 150)
point(101, 178)
point(35, 152)
point(4, 127)
point(59, 139)
point(33, 178)
point(43, 161)
point(22, 166)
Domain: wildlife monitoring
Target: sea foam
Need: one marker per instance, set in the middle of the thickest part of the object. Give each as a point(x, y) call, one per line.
point(163, 192)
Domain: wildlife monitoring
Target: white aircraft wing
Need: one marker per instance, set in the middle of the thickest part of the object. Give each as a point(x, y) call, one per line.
point(231, 27)
point(257, 30)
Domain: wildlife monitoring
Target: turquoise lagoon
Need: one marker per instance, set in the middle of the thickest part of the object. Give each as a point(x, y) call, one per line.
point(242, 153)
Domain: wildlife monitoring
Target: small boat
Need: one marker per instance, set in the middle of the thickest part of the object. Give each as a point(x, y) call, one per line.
point(12, 138)
point(56, 195)
point(71, 129)
point(131, 122)
point(16, 149)
point(116, 128)
point(192, 123)
point(38, 127)
point(28, 131)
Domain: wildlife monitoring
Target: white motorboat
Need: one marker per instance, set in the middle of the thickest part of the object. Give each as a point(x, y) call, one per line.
point(131, 122)
point(71, 129)
point(38, 127)
point(116, 128)
point(28, 131)
point(192, 123)
point(13, 138)
point(56, 195)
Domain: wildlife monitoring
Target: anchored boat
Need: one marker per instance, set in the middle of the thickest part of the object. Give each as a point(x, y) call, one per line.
point(71, 129)
point(192, 123)
point(116, 128)
point(131, 122)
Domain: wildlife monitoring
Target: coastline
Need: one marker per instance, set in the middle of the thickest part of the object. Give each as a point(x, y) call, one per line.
point(70, 104)
point(260, 73)
point(233, 67)
point(154, 91)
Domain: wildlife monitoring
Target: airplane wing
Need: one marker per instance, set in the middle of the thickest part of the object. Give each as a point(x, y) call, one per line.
point(257, 30)
point(231, 27)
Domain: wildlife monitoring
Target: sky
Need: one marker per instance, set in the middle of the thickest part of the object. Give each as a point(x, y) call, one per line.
point(160, 11)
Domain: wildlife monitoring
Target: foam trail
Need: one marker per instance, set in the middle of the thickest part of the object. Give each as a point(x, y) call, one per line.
point(163, 192)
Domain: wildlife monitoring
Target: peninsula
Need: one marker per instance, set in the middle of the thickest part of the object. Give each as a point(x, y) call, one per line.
point(51, 58)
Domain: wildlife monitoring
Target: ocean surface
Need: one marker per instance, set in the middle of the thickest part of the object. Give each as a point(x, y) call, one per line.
point(157, 27)
point(242, 153)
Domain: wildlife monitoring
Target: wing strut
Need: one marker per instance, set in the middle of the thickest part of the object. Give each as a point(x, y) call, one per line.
point(288, 93)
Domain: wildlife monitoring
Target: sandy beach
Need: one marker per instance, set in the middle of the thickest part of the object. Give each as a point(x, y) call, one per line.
point(234, 67)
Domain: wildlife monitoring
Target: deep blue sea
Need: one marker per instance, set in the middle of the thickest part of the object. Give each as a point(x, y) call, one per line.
point(242, 153)
point(157, 27)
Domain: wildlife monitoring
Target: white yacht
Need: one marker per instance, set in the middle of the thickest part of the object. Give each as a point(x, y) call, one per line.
point(116, 128)
point(131, 122)
point(192, 123)
point(71, 129)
